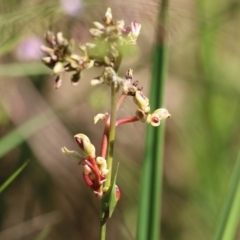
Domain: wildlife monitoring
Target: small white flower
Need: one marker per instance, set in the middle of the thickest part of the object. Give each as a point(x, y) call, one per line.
point(101, 116)
point(135, 29)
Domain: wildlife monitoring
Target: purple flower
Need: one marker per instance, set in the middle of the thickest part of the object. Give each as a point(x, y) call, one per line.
point(71, 7)
point(135, 27)
point(29, 49)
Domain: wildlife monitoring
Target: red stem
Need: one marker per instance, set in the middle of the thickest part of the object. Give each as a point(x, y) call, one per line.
point(126, 120)
point(103, 151)
point(120, 100)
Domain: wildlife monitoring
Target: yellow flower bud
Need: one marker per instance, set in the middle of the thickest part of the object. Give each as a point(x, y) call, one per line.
point(84, 143)
point(157, 116)
point(141, 101)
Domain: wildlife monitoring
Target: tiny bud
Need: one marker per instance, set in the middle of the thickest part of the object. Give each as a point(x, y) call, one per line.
point(95, 32)
point(162, 113)
point(141, 101)
point(60, 38)
point(129, 74)
point(47, 50)
point(75, 78)
point(118, 193)
point(46, 60)
point(88, 64)
point(120, 24)
point(58, 68)
point(135, 28)
point(96, 81)
point(75, 57)
point(50, 38)
point(58, 82)
point(98, 25)
point(101, 116)
point(83, 48)
point(90, 45)
point(107, 60)
point(108, 16)
point(157, 116)
point(102, 165)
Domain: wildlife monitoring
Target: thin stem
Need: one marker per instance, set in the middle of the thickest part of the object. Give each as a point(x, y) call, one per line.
point(120, 100)
point(110, 133)
point(109, 157)
point(104, 144)
point(126, 120)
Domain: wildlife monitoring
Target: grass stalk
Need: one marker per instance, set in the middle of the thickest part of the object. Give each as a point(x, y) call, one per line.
point(230, 214)
point(150, 195)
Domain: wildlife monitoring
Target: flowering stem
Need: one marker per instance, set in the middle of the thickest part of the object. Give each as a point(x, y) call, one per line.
point(111, 130)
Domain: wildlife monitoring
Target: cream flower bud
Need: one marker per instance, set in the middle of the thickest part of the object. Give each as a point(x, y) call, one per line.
point(58, 68)
point(162, 113)
point(84, 143)
point(95, 32)
point(102, 165)
point(101, 116)
point(141, 101)
point(157, 116)
point(98, 25)
point(96, 81)
point(135, 29)
point(108, 16)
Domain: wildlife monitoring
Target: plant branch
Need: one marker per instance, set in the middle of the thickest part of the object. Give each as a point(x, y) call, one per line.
point(110, 133)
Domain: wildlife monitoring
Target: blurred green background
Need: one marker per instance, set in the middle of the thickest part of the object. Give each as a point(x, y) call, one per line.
point(49, 199)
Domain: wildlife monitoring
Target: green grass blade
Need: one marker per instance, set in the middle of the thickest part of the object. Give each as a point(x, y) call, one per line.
point(150, 197)
point(230, 215)
point(43, 234)
point(12, 177)
point(17, 136)
point(23, 69)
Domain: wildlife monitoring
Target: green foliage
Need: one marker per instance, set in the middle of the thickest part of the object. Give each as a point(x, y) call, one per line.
point(230, 213)
point(109, 200)
point(12, 177)
point(150, 199)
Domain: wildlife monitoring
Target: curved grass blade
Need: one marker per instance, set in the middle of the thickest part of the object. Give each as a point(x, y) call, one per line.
point(230, 215)
point(43, 234)
point(12, 177)
point(17, 136)
point(150, 196)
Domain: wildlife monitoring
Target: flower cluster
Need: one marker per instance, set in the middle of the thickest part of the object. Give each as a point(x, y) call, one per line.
point(61, 58)
point(105, 50)
point(132, 89)
point(109, 38)
point(94, 168)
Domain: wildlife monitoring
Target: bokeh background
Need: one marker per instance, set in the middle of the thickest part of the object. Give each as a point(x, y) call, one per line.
point(49, 199)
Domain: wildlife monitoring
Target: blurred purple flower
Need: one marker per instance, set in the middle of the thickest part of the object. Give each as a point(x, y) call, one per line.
point(71, 7)
point(29, 49)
